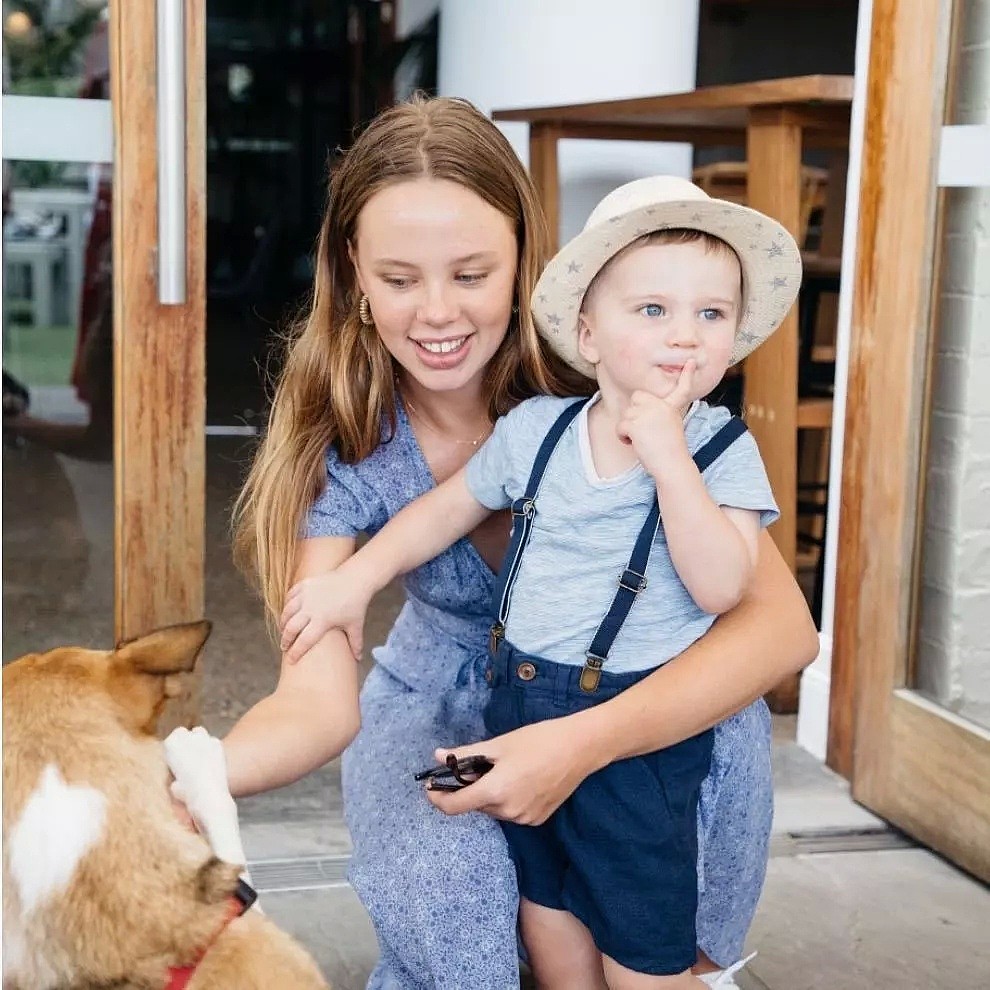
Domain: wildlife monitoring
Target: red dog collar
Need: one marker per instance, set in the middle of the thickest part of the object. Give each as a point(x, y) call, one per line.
point(243, 897)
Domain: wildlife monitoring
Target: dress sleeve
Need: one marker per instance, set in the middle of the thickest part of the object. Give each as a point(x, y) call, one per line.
point(346, 506)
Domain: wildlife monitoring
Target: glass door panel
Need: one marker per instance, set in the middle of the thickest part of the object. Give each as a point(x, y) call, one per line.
point(911, 664)
point(58, 486)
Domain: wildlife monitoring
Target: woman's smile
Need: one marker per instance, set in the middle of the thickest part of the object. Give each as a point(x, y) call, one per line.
point(441, 355)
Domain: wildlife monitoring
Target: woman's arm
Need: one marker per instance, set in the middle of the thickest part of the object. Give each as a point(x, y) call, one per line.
point(767, 637)
point(312, 714)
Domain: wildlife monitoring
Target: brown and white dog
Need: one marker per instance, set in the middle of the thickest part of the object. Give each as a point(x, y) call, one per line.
point(103, 887)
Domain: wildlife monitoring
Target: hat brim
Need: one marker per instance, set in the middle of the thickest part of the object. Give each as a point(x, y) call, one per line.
point(769, 256)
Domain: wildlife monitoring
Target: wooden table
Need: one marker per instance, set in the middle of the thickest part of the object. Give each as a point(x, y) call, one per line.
point(774, 120)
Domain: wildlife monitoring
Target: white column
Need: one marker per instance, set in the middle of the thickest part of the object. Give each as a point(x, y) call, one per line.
point(813, 706)
point(521, 53)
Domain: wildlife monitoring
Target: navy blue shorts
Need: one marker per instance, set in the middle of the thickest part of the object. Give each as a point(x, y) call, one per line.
point(621, 853)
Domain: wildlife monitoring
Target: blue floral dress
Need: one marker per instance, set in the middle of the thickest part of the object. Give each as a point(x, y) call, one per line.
point(441, 890)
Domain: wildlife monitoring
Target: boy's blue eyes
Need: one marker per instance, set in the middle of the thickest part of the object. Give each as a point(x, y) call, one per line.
point(655, 311)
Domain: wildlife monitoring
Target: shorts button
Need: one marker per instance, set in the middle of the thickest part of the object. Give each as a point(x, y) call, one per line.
point(526, 671)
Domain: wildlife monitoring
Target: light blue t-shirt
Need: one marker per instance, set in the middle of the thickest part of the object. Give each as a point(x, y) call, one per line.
point(584, 531)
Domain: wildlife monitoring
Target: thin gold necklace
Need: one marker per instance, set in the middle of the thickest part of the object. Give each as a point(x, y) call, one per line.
point(438, 432)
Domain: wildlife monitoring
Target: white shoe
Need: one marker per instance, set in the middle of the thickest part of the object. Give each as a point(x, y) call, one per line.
point(723, 979)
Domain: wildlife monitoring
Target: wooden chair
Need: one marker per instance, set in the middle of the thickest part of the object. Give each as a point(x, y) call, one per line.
point(727, 180)
point(822, 198)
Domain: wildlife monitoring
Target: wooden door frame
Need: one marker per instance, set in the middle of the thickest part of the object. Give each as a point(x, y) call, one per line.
point(898, 749)
point(159, 351)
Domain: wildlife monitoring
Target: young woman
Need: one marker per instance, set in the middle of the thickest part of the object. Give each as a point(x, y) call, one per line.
point(418, 338)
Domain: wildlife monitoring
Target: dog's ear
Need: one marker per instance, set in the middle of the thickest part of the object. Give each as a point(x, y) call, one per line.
point(144, 672)
point(171, 650)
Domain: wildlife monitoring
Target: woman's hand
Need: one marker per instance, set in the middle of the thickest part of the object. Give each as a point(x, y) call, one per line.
point(316, 605)
point(181, 813)
point(537, 768)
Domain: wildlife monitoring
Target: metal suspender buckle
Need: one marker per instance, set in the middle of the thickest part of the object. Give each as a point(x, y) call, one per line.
point(524, 507)
point(632, 581)
point(591, 674)
point(495, 635)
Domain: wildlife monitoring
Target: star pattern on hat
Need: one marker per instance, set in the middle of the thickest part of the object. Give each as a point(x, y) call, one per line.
point(553, 319)
point(779, 282)
point(775, 251)
point(573, 267)
point(542, 297)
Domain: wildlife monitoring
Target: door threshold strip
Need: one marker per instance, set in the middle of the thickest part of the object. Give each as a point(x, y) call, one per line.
point(298, 873)
point(838, 839)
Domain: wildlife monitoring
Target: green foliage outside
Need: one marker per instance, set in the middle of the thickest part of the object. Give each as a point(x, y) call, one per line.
point(46, 61)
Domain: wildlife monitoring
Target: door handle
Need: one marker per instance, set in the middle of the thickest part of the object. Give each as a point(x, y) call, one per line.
point(171, 122)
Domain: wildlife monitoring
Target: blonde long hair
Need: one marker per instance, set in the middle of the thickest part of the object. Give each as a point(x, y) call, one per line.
point(336, 386)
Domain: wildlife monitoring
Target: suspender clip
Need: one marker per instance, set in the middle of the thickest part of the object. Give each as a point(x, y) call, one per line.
point(524, 507)
point(632, 581)
point(591, 674)
point(495, 635)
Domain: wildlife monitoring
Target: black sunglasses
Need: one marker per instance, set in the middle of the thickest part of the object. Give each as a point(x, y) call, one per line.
point(464, 772)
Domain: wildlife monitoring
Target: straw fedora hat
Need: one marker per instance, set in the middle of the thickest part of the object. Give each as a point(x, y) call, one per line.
point(770, 259)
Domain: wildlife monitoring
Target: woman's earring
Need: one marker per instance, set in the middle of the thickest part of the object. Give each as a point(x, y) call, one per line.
point(364, 311)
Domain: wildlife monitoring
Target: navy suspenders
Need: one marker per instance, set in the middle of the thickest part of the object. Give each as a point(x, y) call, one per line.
point(632, 580)
point(523, 510)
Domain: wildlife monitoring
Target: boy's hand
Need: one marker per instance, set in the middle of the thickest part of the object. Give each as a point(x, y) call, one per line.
point(655, 426)
point(318, 604)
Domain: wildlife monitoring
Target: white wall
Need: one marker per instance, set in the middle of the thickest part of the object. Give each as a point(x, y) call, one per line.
point(523, 53)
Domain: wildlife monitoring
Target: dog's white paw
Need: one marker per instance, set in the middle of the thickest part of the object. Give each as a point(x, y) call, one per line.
point(197, 762)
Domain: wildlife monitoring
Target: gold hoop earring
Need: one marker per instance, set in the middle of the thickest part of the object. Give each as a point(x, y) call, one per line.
point(364, 311)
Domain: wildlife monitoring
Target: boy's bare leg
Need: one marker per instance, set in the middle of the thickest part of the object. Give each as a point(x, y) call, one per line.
point(618, 977)
point(562, 953)
point(705, 965)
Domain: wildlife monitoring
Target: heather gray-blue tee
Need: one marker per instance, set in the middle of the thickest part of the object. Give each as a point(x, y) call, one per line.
point(585, 528)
